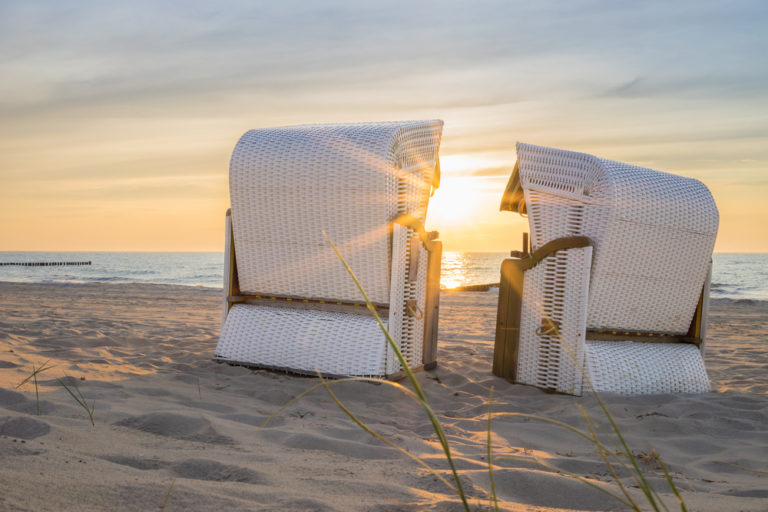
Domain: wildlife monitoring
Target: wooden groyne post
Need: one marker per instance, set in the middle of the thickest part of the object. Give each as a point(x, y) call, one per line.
point(43, 263)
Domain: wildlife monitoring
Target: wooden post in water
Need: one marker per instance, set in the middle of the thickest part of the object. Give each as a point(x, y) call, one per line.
point(43, 263)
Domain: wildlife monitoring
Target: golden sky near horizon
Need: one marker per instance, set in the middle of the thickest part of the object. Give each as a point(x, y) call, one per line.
point(117, 120)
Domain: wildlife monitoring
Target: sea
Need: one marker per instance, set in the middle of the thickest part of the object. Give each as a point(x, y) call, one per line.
point(734, 276)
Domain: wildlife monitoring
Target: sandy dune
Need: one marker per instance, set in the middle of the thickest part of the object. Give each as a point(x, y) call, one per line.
point(167, 417)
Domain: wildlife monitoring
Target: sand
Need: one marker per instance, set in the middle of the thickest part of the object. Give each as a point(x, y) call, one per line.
point(172, 427)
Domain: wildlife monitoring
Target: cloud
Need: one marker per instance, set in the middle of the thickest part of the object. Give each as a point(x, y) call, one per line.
point(404, 54)
point(693, 85)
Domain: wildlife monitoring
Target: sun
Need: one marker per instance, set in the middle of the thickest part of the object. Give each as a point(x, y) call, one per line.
point(457, 201)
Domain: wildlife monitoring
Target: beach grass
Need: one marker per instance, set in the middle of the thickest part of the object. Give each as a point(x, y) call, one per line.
point(411, 377)
point(79, 398)
point(493, 498)
point(76, 394)
point(621, 455)
point(167, 495)
point(33, 376)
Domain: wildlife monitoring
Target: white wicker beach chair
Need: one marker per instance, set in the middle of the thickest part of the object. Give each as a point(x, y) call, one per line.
point(615, 282)
point(290, 304)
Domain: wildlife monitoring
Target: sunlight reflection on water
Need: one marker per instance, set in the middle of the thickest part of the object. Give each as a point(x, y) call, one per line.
point(469, 268)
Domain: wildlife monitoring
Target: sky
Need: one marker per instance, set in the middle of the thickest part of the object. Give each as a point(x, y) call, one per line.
point(117, 119)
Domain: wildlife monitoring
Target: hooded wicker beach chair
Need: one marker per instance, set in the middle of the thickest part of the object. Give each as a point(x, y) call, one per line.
point(614, 283)
point(290, 303)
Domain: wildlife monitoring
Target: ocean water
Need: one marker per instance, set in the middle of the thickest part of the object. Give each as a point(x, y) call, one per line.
point(734, 276)
point(740, 276)
point(185, 268)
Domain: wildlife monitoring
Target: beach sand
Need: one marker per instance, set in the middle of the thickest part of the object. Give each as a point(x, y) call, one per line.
point(174, 427)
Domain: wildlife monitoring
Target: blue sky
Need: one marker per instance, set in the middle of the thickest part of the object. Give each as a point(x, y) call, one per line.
point(117, 118)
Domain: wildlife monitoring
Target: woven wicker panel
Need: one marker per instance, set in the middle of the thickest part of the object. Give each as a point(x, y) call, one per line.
point(632, 368)
point(653, 234)
point(288, 185)
point(397, 296)
point(556, 289)
point(419, 292)
point(412, 323)
point(304, 341)
point(552, 217)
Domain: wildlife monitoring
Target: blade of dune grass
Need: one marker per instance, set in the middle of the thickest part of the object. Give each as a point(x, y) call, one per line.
point(619, 456)
point(670, 482)
point(652, 496)
point(650, 493)
point(411, 377)
point(327, 384)
point(492, 484)
point(35, 371)
point(557, 423)
point(645, 486)
point(604, 451)
point(581, 479)
point(379, 436)
point(167, 495)
point(756, 471)
point(605, 457)
point(301, 395)
point(33, 376)
point(79, 398)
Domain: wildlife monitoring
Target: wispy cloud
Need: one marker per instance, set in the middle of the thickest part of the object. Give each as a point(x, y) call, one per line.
point(712, 85)
point(78, 52)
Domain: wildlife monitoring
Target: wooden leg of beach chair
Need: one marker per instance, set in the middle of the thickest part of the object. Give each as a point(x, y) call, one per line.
point(698, 329)
point(508, 320)
point(432, 307)
point(231, 284)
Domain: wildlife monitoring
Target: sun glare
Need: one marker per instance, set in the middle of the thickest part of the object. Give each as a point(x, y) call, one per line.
point(455, 202)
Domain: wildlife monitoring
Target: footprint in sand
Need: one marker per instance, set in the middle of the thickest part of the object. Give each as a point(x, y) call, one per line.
point(210, 470)
point(195, 469)
point(16, 401)
point(132, 462)
point(8, 397)
point(22, 427)
point(177, 426)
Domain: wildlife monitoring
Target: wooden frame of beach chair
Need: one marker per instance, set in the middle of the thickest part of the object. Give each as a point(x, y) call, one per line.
point(328, 329)
point(613, 289)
